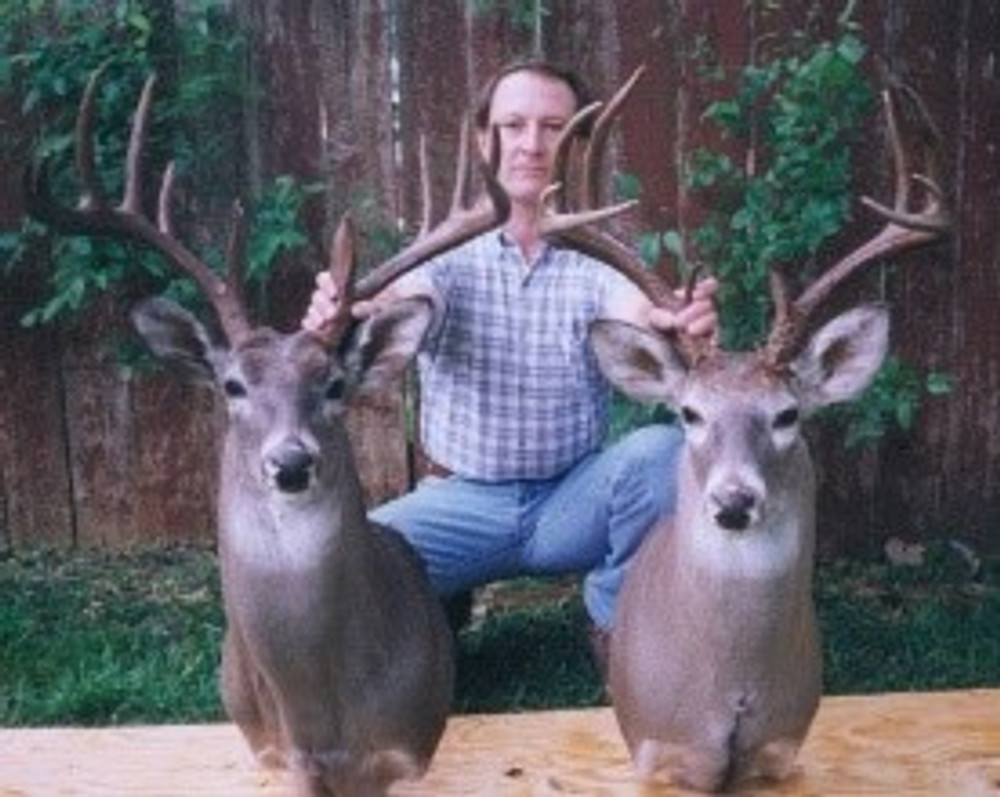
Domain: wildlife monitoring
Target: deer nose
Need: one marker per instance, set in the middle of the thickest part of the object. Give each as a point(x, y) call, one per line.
point(290, 469)
point(736, 508)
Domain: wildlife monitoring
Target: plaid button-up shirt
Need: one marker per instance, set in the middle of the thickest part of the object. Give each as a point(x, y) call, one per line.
point(510, 387)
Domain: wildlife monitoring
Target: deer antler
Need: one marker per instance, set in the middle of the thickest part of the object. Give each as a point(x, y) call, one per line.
point(461, 224)
point(575, 184)
point(95, 216)
point(904, 229)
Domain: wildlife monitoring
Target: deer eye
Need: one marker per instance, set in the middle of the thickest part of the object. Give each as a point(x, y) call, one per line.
point(234, 388)
point(786, 419)
point(335, 389)
point(690, 417)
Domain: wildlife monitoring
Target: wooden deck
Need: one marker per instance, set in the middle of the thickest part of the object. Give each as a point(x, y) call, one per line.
point(944, 743)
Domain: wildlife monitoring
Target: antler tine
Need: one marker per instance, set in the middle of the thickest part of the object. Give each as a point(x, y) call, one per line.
point(461, 224)
point(426, 198)
point(132, 192)
point(575, 227)
point(578, 229)
point(343, 262)
point(904, 229)
point(42, 205)
point(226, 295)
point(93, 216)
point(236, 252)
point(558, 194)
point(92, 194)
point(556, 197)
point(568, 204)
point(599, 135)
point(462, 166)
point(933, 217)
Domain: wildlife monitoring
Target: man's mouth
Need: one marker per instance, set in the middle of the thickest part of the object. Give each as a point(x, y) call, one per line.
point(529, 172)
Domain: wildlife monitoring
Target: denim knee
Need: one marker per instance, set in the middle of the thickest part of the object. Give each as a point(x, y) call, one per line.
point(649, 455)
point(644, 489)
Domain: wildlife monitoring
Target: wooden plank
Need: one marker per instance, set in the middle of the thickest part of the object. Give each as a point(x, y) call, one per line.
point(35, 490)
point(35, 493)
point(143, 456)
point(899, 744)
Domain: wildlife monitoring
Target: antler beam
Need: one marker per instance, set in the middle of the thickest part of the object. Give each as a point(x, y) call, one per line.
point(576, 177)
point(904, 229)
point(460, 225)
point(95, 216)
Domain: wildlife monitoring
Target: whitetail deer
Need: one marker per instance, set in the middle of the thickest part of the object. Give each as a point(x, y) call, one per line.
point(337, 660)
point(715, 663)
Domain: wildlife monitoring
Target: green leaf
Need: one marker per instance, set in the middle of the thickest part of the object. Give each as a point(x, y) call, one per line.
point(939, 384)
point(649, 247)
point(674, 243)
point(627, 186)
point(851, 49)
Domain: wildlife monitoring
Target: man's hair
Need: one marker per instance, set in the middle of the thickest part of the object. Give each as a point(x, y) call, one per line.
point(537, 66)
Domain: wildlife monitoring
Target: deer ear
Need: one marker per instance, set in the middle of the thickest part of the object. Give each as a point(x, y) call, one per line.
point(843, 357)
point(380, 348)
point(642, 364)
point(175, 336)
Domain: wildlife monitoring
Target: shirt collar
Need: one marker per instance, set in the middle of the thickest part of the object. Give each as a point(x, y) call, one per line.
point(500, 244)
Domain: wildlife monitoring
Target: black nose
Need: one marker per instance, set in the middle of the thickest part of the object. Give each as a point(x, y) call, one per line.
point(292, 470)
point(735, 510)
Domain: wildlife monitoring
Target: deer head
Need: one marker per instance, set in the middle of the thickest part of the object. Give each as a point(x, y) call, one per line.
point(742, 410)
point(270, 381)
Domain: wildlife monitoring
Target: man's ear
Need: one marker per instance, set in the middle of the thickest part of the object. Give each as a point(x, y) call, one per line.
point(488, 139)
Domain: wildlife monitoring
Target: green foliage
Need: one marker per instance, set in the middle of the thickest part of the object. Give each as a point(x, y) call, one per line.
point(47, 54)
point(890, 403)
point(627, 415)
point(91, 638)
point(795, 115)
point(928, 625)
point(527, 657)
point(102, 638)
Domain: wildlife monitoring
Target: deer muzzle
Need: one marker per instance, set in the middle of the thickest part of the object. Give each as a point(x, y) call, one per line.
point(290, 468)
point(735, 506)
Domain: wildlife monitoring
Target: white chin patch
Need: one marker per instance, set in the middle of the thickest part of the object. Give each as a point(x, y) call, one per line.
point(757, 552)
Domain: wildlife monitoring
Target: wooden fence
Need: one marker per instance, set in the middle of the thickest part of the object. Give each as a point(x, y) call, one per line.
point(92, 455)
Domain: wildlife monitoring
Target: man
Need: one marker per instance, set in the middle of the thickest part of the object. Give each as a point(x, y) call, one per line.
point(514, 409)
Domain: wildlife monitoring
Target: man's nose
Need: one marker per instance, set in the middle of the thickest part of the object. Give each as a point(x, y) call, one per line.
point(533, 139)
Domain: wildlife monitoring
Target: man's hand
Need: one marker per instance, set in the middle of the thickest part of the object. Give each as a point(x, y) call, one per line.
point(325, 303)
point(697, 319)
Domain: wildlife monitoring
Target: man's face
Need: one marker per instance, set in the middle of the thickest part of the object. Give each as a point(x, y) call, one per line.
point(529, 110)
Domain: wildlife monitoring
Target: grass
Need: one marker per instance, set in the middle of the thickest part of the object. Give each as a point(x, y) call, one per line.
point(927, 626)
point(90, 638)
point(95, 638)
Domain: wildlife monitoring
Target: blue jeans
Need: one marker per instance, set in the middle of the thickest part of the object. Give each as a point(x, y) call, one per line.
point(590, 520)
